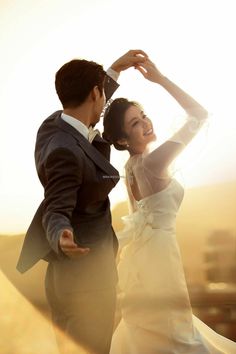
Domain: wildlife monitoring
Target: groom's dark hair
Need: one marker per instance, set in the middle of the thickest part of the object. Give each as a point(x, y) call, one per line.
point(75, 80)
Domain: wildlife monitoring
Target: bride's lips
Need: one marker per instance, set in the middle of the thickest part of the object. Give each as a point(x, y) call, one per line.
point(148, 132)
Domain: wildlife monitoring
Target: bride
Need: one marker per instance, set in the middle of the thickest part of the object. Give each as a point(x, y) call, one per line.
point(156, 311)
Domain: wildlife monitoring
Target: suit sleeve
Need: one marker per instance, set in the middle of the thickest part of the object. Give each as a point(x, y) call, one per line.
point(110, 86)
point(63, 180)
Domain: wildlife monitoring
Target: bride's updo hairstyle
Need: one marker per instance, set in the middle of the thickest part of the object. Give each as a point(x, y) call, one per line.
point(113, 122)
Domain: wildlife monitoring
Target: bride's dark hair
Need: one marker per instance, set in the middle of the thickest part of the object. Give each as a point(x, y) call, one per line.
point(114, 121)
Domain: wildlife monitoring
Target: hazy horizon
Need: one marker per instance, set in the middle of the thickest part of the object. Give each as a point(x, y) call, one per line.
point(196, 194)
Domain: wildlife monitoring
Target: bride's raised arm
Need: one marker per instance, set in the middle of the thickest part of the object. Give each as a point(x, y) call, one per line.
point(166, 153)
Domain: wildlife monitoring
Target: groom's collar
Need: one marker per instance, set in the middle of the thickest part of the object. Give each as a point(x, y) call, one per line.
point(76, 123)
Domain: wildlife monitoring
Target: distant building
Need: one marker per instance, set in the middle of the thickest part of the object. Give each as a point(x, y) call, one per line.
point(220, 257)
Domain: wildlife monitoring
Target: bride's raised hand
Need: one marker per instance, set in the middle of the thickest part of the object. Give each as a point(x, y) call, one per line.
point(149, 70)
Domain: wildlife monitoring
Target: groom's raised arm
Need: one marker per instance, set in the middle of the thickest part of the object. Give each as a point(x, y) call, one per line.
point(110, 83)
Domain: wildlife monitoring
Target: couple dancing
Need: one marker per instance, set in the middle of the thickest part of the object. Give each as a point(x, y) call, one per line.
point(72, 228)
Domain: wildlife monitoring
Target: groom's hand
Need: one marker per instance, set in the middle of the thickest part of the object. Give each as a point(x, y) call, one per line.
point(131, 58)
point(69, 247)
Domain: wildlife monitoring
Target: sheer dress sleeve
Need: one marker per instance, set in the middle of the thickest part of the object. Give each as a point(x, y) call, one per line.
point(186, 133)
point(160, 159)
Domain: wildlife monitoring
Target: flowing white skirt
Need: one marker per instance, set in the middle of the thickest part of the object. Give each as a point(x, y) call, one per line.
point(156, 312)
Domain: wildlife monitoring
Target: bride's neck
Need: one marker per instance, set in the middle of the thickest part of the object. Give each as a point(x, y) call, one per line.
point(136, 153)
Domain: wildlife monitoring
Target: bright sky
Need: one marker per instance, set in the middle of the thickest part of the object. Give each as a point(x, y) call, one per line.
point(192, 42)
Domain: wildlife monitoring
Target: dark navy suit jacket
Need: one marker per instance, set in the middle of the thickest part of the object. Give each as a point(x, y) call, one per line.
point(77, 178)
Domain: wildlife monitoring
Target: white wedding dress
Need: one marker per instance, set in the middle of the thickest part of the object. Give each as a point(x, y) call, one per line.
point(156, 312)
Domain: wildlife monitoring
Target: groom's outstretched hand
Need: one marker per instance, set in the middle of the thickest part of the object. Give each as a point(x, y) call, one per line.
point(131, 58)
point(69, 247)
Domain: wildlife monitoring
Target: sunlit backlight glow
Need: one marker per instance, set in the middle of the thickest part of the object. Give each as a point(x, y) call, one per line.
point(39, 37)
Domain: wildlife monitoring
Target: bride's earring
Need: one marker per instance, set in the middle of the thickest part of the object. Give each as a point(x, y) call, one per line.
point(127, 145)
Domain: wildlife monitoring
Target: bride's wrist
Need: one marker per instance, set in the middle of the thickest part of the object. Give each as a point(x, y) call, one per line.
point(162, 79)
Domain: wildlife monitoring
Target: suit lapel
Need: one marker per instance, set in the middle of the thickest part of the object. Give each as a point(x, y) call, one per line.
point(102, 146)
point(90, 150)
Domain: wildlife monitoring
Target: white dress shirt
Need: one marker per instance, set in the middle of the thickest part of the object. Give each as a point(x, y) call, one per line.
point(77, 124)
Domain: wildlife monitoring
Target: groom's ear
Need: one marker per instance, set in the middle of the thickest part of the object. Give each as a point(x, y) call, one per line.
point(95, 93)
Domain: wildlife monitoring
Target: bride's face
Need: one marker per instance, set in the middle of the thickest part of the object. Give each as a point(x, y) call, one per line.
point(138, 128)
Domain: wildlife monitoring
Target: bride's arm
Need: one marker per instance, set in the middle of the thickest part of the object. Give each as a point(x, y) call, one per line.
point(197, 114)
point(191, 107)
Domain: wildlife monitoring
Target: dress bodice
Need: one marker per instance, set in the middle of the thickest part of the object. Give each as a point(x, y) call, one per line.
point(163, 205)
point(157, 210)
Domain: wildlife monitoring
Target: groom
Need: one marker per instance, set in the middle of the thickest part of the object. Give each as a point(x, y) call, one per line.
point(72, 227)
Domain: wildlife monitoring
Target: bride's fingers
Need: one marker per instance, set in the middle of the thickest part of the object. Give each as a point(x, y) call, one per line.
point(148, 63)
point(138, 60)
point(138, 52)
point(141, 70)
point(145, 65)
